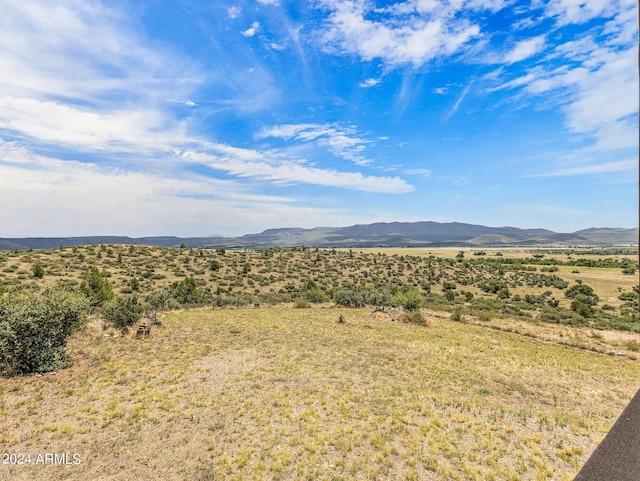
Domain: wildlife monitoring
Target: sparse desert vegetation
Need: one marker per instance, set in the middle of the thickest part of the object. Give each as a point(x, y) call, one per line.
point(339, 365)
point(534, 284)
point(280, 393)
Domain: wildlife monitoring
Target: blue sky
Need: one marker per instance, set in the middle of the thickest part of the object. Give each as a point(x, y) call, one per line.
point(193, 117)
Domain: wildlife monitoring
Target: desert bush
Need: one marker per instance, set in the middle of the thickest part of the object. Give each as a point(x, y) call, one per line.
point(96, 287)
point(633, 346)
point(457, 315)
point(231, 300)
point(492, 286)
point(628, 296)
point(34, 330)
point(315, 295)
point(410, 299)
point(187, 292)
point(349, 297)
point(582, 293)
point(301, 303)
point(158, 301)
point(275, 297)
point(123, 311)
point(413, 317)
point(38, 271)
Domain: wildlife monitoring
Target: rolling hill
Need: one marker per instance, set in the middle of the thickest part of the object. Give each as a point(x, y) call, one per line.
point(381, 234)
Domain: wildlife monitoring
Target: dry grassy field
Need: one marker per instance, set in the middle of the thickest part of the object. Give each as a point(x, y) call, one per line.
point(282, 393)
point(506, 381)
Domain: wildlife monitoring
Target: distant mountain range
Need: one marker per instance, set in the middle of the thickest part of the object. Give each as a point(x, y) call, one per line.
point(393, 234)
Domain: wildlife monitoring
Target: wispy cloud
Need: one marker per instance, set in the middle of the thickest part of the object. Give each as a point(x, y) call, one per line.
point(46, 53)
point(93, 123)
point(234, 12)
point(525, 49)
point(422, 172)
point(270, 166)
point(571, 12)
point(594, 81)
point(117, 130)
point(343, 142)
point(629, 166)
point(462, 96)
point(62, 196)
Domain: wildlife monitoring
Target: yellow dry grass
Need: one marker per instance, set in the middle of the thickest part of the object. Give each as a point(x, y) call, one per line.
point(277, 393)
point(559, 253)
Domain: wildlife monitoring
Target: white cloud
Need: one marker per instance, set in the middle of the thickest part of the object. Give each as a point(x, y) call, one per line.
point(525, 49)
point(462, 96)
point(581, 11)
point(422, 172)
point(593, 169)
point(412, 32)
point(234, 12)
point(370, 82)
point(46, 52)
point(340, 141)
point(62, 197)
point(113, 97)
point(251, 31)
point(592, 78)
point(270, 2)
point(63, 124)
point(272, 166)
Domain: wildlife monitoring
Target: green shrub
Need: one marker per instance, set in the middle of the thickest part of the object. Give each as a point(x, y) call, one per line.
point(301, 303)
point(582, 308)
point(413, 317)
point(582, 293)
point(187, 292)
point(349, 298)
point(123, 311)
point(633, 346)
point(96, 287)
point(232, 300)
point(34, 330)
point(628, 296)
point(38, 271)
point(410, 300)
point(315, 295)
point(457, 315)
point(159, 301)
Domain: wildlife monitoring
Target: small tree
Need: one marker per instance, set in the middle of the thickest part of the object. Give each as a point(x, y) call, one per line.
point(38, 271)
point(34, 329)
point(411, 300)
point(96, 287)
point(187, 292)
point(122, 311)
point(582, 293)
point(158, 301)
